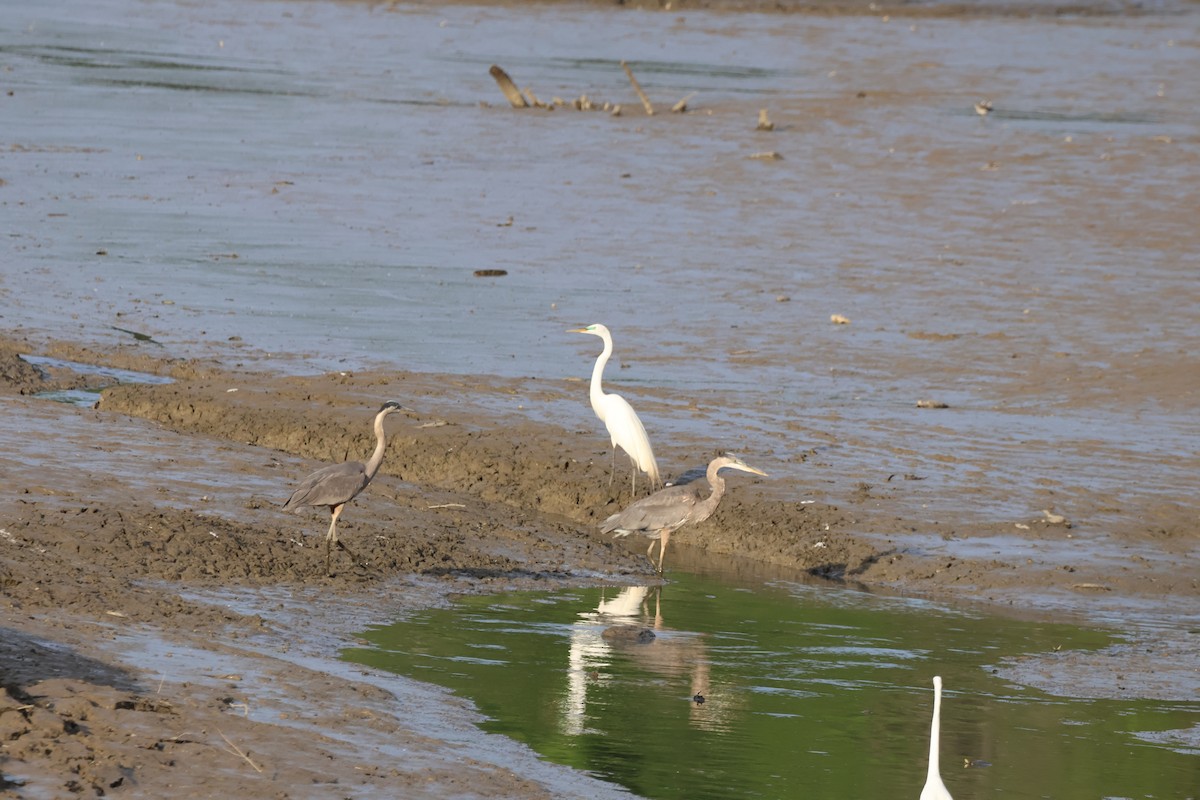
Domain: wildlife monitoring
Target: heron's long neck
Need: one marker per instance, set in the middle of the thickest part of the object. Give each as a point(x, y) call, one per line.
point(709, 505)
point(380, 445)
point(935, 733)
point(596, 394)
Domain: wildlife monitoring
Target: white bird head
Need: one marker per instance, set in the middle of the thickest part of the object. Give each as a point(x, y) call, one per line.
point(595, 329)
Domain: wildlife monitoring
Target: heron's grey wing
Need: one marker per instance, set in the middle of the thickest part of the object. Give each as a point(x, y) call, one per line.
point(329, 486)
point(668, 508)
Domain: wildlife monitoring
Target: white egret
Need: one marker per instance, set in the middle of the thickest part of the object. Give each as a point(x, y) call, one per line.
point(338, 484)
point(934, 788)
point(624, 428)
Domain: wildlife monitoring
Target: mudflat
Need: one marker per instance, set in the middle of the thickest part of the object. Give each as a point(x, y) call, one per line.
point(167, 628)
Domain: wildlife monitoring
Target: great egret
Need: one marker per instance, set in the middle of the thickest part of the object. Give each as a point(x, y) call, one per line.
point(665, 511)
point(934, 788)
point(624, 428)
point(338, 484)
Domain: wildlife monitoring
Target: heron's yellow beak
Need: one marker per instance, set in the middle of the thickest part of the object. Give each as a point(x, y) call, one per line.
point(578, 330)
point(757, 471)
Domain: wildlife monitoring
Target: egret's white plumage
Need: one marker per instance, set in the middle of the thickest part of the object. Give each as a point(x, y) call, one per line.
point(624, 428)
point(934, 788)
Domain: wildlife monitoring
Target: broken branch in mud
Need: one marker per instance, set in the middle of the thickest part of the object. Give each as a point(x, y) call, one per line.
point(235, 750)
point(515, 98)
point(532, 98)
point(525, 98)
point(637, 88)
point(681, 106)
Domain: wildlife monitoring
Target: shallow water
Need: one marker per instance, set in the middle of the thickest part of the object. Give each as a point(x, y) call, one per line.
point(99, 378)
point(809, 691)
point(312, 186)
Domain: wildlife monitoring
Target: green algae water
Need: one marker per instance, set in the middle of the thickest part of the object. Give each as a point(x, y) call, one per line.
point(785, 690)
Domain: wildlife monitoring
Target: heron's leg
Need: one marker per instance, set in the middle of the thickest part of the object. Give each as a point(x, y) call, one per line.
point(650, 551)
point(334, 513)
point(633, 471)
point(331, 537)
point(612, 473)
point(662, 549)
point(349, 552)
point(334, 540)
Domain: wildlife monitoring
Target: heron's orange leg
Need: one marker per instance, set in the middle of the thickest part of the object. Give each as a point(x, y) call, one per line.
point(662, 549)
point(335, 512)
point(331, 537)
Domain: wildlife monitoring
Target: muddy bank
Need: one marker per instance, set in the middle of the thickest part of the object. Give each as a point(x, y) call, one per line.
point(465, 486)
point(152, 589)
point(454, 441)
point(898, 8)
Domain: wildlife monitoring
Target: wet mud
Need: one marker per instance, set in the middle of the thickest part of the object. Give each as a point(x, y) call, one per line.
point(167, 630)
point(132, 525)
point(898, 8)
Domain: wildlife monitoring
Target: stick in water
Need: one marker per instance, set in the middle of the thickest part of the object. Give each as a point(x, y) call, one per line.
point(508, 87)
point(641, 95)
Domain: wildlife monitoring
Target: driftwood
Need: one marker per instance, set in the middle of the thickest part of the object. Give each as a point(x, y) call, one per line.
point(532, 98)
point(681, 106)
point(508, 87)
point(641, 95)
point(519, 98)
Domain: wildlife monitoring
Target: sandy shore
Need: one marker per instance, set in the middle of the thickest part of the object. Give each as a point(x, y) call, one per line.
point(168, 630)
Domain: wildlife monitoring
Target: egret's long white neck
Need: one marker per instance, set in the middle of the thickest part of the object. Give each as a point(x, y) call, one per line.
point(935, 730)
point(596, 394)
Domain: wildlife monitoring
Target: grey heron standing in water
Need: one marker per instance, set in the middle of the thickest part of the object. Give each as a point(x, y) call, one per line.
point(338, 484)
point(624, 428)
point(656, 517)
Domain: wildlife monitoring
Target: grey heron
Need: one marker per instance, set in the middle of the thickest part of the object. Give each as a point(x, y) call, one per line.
point(337, 484)
point(656, 517)
point(624, 428)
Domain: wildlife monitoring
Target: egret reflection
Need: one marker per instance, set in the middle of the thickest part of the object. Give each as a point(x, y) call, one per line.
point(624, 639)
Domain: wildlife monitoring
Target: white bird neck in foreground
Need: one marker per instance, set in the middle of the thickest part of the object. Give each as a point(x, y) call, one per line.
point(596, 392)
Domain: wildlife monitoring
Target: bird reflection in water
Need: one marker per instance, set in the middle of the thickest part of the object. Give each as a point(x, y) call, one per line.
point(629, 627)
